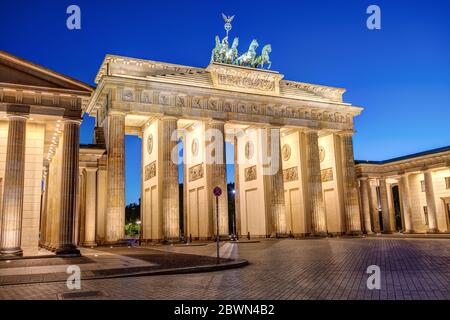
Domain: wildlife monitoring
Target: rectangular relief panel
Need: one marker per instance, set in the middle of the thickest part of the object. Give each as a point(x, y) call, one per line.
point(327, 175)
point(196, 172)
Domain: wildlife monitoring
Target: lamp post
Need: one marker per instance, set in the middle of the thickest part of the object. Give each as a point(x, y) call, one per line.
point(217, 192)
point(139, 222)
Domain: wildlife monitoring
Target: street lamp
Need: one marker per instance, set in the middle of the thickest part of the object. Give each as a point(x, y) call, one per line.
point(139, 222)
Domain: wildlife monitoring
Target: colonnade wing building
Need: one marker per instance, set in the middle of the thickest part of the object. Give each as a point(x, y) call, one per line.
point(40, 114)
point(294, 171)
point(409, 194)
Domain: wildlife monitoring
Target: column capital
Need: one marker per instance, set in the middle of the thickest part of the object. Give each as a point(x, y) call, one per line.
point(117, 113)
point(91, 169)
point(273, 126)
point(166, 118)
point(16, 116)
point(427, 170)
point(213, 121)
point(346, 133)
point(310, 130)
point(71, 121)
point(404, 174)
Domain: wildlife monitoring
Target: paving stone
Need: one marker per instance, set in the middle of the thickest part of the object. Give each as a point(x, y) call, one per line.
point(288, 269)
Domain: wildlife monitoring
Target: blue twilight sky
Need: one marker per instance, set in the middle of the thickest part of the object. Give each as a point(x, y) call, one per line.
point(400, 74)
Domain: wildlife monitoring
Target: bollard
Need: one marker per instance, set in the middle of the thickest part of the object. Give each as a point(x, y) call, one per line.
point(248, 236)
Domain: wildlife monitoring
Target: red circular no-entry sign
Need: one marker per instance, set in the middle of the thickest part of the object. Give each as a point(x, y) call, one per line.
point(217, 191)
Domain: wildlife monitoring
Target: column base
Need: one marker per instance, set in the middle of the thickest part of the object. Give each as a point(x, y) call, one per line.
point(114, 242)
point(319, 234)
point(434, 230)
point(369, 232)
point(408, 232)
point(281, 235)
point(69, 251)
point(90, 244)
point(387, 232)
point(354, 233)
point(172, 241)
point(11, 253)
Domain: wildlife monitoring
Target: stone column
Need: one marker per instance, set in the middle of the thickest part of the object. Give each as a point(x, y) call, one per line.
point(276, 183)
point(90, 209)
point(170, 199)
point(81, 209)
point(12, 208)
point(47, 243)
point(237, 189)
point(352, 215)
point(365, 199)
point(314, 186)
point(102, 177)
point(406, 204)
point(388, 223)
point(374, 206)
point(219, 174)
point(43, 222)
point(69, 184)
point(185, 189)
point(115, 212)
point(431, 204)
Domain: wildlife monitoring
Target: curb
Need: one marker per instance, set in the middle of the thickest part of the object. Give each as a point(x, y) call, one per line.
point(411, 236)
point(185, 270)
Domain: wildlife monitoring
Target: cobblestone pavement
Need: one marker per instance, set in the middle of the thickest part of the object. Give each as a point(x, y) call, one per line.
point(288, 269)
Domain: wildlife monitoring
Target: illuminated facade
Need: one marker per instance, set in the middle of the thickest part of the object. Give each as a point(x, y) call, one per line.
point(409, 194)
point(294, 168)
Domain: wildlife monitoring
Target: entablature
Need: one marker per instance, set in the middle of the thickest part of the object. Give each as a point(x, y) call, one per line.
point(143, 96)
point(407, 166)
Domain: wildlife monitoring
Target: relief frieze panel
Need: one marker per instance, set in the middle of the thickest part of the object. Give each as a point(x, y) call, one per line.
point(250, 173)
point(327, 175)
point(150, 171)
point(237, 106)
point(196, 172)
point(290, 174)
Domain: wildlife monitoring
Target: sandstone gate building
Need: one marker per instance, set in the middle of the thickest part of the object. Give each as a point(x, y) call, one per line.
point(59, 195)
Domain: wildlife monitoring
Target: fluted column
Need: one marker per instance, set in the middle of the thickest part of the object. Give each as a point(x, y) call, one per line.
point(388, 223)
point(219, 174)
point(374, 213)
point(69, 184)
point(237, 188)
point(115, 212)
point(314, 186)
point(81, 208)
point(91, 206)
point(365, 199)
point(12, 208)
point(406, 203)
point(352, 215)
point(170, 205)
point(276, 183)
point(47, 243)
point(431, 204)
point(43, 223)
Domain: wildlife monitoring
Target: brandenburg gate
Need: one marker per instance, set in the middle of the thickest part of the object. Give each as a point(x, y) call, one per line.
point(294, 167)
